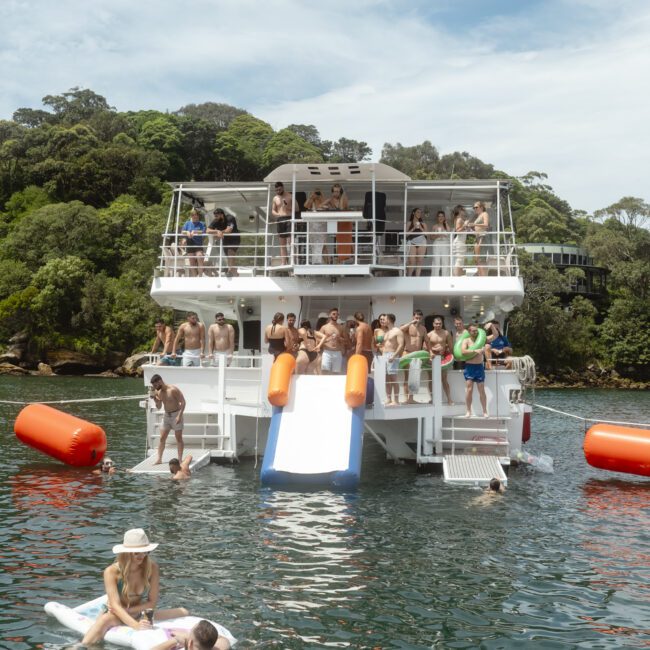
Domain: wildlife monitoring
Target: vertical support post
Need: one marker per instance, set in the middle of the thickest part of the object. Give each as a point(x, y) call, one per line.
point(406, 198)
point(266, 229)
point(179, 198)
point(436, 399)
point(293, 216)
point(498, 245)
point(373, 226)
point(221, 393)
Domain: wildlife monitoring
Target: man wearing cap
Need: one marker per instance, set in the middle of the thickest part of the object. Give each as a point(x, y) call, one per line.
point(203, 636)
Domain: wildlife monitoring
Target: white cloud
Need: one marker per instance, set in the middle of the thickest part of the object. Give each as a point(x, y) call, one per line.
point(562, 87)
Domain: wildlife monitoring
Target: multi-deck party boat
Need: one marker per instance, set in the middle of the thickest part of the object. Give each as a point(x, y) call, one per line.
point(364, 267)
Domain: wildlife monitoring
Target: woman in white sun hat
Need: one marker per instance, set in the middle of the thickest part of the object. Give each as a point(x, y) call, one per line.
point(132, 584)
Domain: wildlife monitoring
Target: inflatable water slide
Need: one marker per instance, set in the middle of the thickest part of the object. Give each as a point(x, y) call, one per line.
point(316, 431)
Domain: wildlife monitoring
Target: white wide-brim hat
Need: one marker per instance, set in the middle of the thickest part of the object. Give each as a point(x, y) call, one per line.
point(135, 541)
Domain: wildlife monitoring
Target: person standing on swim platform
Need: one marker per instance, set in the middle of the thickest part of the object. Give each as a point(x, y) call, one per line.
point(174, 403)
point(132, 585)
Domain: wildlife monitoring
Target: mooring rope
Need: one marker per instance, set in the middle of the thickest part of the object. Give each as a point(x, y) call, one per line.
point(116, 398)
point(579, 417)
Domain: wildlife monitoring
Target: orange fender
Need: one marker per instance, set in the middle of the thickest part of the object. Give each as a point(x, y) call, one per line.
point(60, 435)
point(618, 449)
point(356, 381)
point(280, 379)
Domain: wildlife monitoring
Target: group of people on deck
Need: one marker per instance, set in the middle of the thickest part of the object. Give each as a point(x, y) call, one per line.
point(447, 243)
point(441, 246)
point(326, 348)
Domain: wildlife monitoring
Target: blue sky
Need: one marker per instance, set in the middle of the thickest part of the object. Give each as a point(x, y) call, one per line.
point(560, 86)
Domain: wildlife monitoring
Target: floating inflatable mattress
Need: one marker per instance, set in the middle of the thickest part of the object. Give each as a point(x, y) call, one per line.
point(82, 617)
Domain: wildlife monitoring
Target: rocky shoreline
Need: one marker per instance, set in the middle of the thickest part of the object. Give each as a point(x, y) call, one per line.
point(116, 364)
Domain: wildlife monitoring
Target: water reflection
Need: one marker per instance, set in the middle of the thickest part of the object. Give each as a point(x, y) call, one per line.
point(616, 544)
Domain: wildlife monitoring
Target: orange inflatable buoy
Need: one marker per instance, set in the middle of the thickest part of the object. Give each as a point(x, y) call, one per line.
point(356, 381)
point(280, 379)
point(618, 449)
point(71, 440)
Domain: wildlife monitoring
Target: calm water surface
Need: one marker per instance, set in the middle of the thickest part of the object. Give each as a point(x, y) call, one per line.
point(560, 561)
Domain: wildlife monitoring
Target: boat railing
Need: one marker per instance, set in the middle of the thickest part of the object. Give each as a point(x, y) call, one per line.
point(239, 360)
point(312, 250)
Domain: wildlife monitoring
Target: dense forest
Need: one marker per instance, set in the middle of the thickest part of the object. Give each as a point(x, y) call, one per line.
point(83, 200)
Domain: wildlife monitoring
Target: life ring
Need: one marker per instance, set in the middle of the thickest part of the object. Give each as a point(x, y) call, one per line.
point(478, 344)
point(405, 361)
point(445, 362)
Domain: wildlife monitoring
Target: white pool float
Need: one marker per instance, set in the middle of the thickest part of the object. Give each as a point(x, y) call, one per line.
point(82, 617)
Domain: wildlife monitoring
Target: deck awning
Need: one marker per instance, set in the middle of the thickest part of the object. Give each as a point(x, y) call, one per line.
point(332, 172)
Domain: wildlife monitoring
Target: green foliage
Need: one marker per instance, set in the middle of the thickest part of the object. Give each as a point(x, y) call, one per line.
point(624, 336)
point(285, 146)
point(14, 276)
point(539, 222)
point(25, 201)
point(218, 116)
point(418, 161)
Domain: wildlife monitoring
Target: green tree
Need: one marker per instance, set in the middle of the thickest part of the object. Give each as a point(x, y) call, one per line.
point(287, 147)
point(77, 105)
point(217, 115)
point(539, 222)
point(630, 212)
point(417, 161)
point(349, 151)
point(23, 202)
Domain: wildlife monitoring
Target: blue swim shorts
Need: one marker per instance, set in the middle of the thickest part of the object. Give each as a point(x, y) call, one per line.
point(474, 372)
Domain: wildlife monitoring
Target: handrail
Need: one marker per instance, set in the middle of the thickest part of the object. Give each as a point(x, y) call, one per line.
point(325, 246)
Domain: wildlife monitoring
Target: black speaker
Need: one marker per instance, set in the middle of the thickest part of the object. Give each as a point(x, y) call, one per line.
point(252, 334)
point(380, 210)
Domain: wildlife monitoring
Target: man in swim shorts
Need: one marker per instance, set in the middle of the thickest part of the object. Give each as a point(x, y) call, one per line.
point(173, 401)
point(164, 338)
point(393, 347)
point(415, 336)
point(294, 335)
point(474, 372)
point(203, 636)
point(281, 213)
point(333, 344)
point(440, 343)
point(193, 334)
point(221, 339)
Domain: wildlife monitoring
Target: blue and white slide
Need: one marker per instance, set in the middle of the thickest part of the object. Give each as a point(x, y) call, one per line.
point(79, 619)
point(316, 439)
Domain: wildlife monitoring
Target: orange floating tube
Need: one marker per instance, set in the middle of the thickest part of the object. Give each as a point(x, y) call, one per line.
point(618, 449)
point(60, 435)
point(356, 381)
point(280, 379)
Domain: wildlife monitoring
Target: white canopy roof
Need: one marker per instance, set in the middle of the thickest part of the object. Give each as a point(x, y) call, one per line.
point(332, 172)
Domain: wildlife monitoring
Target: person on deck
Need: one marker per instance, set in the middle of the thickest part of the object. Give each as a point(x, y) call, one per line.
point(440, 343)
point(173, 401)
point(317, 229)
point(459, 246)
point(164, 338)
point(221, 340)
point(416, 242)
point(294, 335)
point(333, 345)
point(224, 228)
point(498, 346)
point(459, 330)
point(474, 373)
point(440, 247)
point(194, 229)
point(281, 211)
point(132, 585)
point(193, 334)
point(277, 336)
point(480, 226)
point(415, 338)
point(363, 339)
point(308, 351)
point(379, 330)
point(392, 351)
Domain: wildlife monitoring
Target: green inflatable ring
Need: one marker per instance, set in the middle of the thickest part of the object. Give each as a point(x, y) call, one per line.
point(458, 346)
point(405, 361)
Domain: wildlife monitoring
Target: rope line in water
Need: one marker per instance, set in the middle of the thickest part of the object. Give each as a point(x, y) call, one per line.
point(579, 417)
point(116, 398)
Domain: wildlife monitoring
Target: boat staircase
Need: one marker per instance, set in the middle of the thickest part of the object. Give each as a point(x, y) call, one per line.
point(208, 434)
point(472, 450)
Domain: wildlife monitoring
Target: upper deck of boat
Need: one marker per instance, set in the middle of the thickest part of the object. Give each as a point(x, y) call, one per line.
point(366, 247)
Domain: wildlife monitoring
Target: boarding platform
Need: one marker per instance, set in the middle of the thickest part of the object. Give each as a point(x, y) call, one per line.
point(477, 470)
point(200, 458)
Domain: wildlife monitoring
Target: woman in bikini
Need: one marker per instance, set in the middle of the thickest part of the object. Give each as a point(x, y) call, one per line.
point(277, 336)
point(132, 583)
point(378, 334)
point(308, 350)
point(416, 241)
